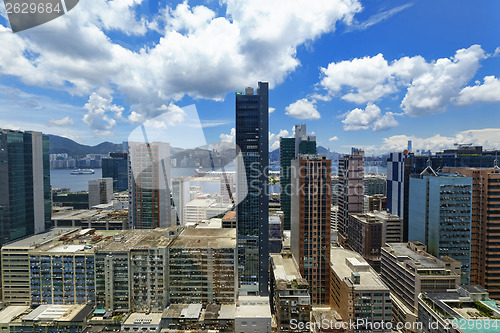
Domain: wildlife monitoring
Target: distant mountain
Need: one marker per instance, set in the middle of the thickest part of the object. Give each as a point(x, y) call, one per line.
point(60, 145)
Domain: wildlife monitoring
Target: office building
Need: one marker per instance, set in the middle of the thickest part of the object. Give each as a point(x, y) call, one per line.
point(465, 309)
point(375, 184)
point(252, 138)
point(149, 193)
point(485, 227)
point(301, 143)
point(357, 291)
point(290, 300)
point(25, 184)
point(311, 225)
point(76, 200)
point(100, 191)
point(199, 318)
point(440, 213)
point(115, 166)
point(399, 168)
point(196, 210)
point(275, 234)
point(351, 190)
point(408, 270)
point(368, 232)
point(202, 267)
point(181, 196)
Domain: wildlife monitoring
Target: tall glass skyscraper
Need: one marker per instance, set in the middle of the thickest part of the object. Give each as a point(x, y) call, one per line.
point(440, 213)
point(252, 128)
point(115, 166)
point(24, 184)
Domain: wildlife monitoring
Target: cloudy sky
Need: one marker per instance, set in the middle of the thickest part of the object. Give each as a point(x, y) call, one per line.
point(370, 74)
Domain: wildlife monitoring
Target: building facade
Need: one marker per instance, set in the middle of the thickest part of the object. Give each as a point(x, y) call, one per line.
point(408, 270)
point(311, 225)
point(115, 166)
point(440, 213)
point(357, 293)
point(351, 190)
point(252, 127)
point(301, 143)
point(485, 227)
point(100, 191)
point(25, 198)
point(149, 194)
point(290, 301)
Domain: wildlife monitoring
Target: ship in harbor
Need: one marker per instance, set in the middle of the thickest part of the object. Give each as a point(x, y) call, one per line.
point(82, 172)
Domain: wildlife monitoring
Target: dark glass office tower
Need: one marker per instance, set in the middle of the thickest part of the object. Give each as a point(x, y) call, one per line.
point(115, 166)
point(24, 184)
point(290, 148)
point(252, 128)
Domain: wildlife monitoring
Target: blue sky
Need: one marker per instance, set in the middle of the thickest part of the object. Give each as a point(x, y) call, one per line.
point(369, 74)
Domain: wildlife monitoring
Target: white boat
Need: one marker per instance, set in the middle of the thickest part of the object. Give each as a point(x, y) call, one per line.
point(82, 172)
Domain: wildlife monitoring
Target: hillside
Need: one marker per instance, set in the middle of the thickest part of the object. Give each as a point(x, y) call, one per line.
point(59, 145)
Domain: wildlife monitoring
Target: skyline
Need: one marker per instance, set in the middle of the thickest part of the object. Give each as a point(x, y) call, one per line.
point(367, 74)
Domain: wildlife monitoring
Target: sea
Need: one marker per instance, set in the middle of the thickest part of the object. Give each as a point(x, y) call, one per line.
point(62, 178)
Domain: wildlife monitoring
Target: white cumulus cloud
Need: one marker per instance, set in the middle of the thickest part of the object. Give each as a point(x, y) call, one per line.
point(370, 117)
point(303, 109)
point(333, 138)
point(433, 90)
point(489, 91)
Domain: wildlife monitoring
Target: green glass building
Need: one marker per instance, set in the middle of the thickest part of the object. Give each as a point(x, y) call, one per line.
point(289, 149)
point(24, 184)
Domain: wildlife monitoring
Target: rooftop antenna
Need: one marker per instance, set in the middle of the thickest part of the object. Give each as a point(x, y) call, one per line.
point(495, 162)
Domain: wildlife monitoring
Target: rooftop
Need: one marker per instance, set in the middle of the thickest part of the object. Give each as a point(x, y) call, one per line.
point(80, 240)
point(134, 239)
point(230, 215)
point(206, 238)
point(188, 311)
point(90, 214)
point(285, 272)
point(143, 319)
point(64, 313)
point(343, 262)
point(422, 259)
point(253, 307)
point(204, 203)
point(40, 239)
point(11, 312)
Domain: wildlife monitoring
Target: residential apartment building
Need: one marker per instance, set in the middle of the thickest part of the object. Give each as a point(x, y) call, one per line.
point(290, 301)
point(311, 225)
point(368, 232)
point(357, 292)
point(202, 266)
point(351, 190)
